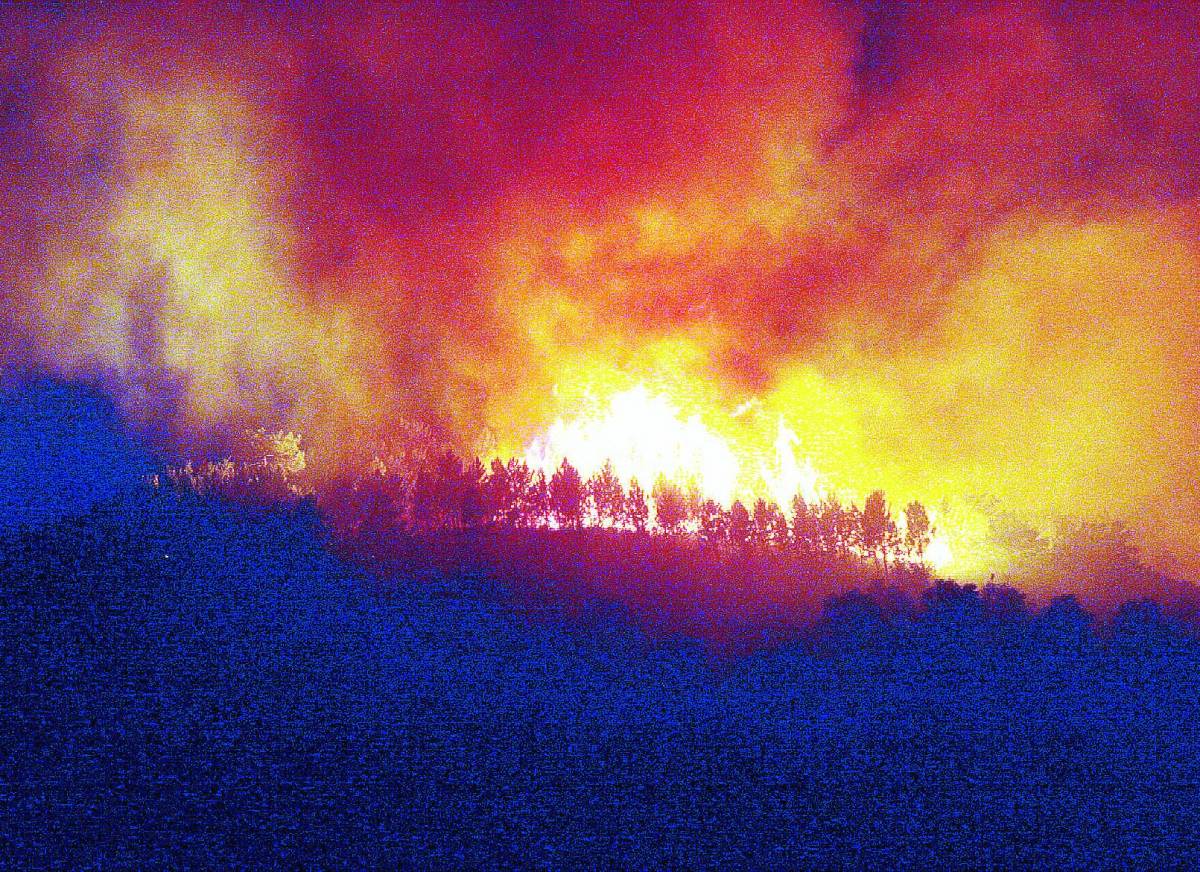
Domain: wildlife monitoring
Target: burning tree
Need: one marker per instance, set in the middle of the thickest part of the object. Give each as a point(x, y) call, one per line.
point(876, 520)
point(917, 530)
point(566, 496)
point(637, 511)
point(279, 450)
point(670, 507)
point(606, 496)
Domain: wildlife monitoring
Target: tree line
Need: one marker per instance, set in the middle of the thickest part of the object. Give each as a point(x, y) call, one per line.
point(450, 493)
point(667, 552)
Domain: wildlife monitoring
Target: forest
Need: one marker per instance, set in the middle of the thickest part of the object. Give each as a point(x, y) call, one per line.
point(678, 562)
point(193, 683)
point(449, 493)
point(200, 681)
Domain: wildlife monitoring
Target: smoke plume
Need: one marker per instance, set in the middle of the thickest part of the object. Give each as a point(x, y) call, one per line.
point(952, 245)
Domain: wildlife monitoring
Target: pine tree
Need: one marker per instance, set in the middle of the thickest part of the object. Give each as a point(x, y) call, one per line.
point(566, 496)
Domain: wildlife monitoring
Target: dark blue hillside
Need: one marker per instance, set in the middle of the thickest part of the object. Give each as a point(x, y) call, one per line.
point(187, 685)
point(62, 449)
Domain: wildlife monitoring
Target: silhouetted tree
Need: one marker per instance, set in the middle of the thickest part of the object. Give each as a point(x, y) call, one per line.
point(448, 491)
point(759, 523)
point(500, 500)
point(670, 506)
point(637, 511)
point(768, 527)
point(803, 526)
point(527, 507)
point(1004, 603)
point(539, 499)
point(893, 542)
point(714, 523)
point(1065, 625)
point(423, 510)
point(917, 532)
point(370, 502)
point(473, 504)
point(693, 499)
point(606, 495)
point(739, 525)
point(566, 495)
point(778, 531)
point(375, 505)
point(875, 518)
point(849, 524)
point(830, 526)
point(510, 492)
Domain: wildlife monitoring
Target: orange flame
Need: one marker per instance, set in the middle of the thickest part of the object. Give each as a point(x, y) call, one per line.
point(645, 436)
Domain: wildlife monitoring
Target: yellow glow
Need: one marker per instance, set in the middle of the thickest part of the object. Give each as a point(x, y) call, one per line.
point(939, 555)
point(645, 436)
point(725, 454)
point(790, 474)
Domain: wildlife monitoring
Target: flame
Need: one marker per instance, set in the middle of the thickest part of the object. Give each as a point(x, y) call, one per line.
point(646, 436)
point(939, 555)
point(791, 475)
point(836, 269)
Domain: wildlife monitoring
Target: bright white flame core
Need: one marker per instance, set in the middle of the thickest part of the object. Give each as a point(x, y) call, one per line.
point(791, 475)
point(645, 437)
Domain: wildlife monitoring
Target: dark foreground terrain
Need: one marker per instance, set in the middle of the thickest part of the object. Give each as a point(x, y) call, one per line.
point(184, 685)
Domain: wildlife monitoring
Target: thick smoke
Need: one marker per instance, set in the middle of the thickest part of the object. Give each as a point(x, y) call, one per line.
point(952, 244)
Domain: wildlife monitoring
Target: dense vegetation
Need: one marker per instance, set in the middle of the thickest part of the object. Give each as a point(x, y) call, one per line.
point(678, 561)
point(187, 684)
point(444, 492)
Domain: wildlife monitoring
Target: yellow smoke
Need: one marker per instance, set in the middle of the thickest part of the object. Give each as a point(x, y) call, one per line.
point(174, 283)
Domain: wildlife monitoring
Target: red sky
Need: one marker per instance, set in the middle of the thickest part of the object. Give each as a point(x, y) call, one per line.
point(953, 244)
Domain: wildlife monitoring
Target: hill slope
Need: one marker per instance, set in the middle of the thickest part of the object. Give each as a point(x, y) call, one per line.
point(187, 685)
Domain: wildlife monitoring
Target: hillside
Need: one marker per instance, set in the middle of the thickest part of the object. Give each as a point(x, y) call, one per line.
point(190, 685)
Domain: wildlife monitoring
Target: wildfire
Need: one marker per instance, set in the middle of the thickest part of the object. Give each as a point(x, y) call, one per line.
point(647, 437)
point(939, 555)
point(791, 475)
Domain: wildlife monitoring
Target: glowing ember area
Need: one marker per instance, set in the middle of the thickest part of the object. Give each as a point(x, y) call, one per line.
point(646, 438)
point(939, 555)
point(791, 474)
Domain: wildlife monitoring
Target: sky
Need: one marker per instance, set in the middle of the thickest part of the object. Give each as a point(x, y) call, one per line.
point(952, 246)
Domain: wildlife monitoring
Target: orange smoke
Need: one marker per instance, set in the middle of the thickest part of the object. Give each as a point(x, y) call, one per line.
point(947, 250)
point(164, 270)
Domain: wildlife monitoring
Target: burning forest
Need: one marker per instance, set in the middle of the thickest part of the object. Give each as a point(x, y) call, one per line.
point(747, 321)
point(769, 249)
